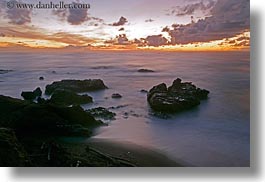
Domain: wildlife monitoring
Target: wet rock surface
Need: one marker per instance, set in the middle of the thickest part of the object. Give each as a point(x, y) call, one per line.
point(41, 78)
point(145, 71)
point(44, 119)
point(178, 97)
point(116, 96)
point(65, 97)
point(28, 95)
point(101, 113)
point(76, 86)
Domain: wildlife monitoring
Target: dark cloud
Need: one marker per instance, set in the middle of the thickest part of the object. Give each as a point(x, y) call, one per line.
point(229, 18)
point(149, 20)
point(165, 29)
point(77, 16)
point(61, 13)
point(119, 40)
point(91, 18)
point(190, 9)
point(122, 39)
point(18, 16)
point(156, 40)
point(140, 42)
point(121, 29)
point(121, 22)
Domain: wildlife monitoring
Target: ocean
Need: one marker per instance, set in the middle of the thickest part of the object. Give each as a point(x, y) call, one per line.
point(216, 133)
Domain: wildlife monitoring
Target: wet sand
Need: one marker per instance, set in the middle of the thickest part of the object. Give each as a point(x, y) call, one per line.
point(135, 154)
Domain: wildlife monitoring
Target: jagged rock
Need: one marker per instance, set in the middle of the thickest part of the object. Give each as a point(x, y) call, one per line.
point(116, 96)
point(76, 86)
point(101, 113)
point(65, 97)
point(11, 152)
point(180, 96)
point(32, 95)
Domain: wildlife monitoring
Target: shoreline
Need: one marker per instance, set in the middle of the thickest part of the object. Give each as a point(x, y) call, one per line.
point(137, 155)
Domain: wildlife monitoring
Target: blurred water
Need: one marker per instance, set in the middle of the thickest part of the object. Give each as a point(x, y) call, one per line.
point(217, 133)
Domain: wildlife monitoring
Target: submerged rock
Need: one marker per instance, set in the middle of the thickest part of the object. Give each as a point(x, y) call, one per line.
point(116, 96)
point(5, 71)
point(11, 152)
point(76, 86)
point(180, 96)
point(65, 97)
point(32, 95)
point(144, 91)
point(101, 113)
point(41, 78)
point(145, 71)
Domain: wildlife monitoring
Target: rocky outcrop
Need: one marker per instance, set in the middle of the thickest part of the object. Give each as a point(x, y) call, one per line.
point(178, 97)
point(11, 152)
point(65, 97)
point(44, 119)
point(101, 113)
point(32, 95)
point(76, 86)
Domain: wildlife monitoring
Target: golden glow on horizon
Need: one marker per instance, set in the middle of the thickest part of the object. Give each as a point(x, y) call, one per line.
point(239, 42)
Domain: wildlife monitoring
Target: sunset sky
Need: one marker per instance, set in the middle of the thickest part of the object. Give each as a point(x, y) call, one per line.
point(129, 25)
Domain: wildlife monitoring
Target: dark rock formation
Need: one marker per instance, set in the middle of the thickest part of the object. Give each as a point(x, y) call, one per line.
point(41, 78)
point(44, 119)
point(11, 152)
point(101, 113)
point(32, 95)
point(76, 86)
point(180, 96)
point(145, 71)
point(116, 96)
point(65, 97)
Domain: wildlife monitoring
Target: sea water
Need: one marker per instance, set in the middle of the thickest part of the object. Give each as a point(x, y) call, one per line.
point(216, 133)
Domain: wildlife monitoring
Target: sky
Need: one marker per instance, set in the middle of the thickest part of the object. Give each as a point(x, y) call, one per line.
point(128, 25)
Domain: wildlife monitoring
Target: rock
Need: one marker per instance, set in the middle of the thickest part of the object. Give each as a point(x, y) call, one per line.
point(43, 119)
point(37, 92)
point(178, 97)
point(145, 71)
point(116, 96)
point(32, 95)
point(65, 97)
point(76, 86)
point(41, 100)
point(101, 113)
point(118, 107)
point(4, 71)
point(143, 91)
point(11, 152)
point(41, 78)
